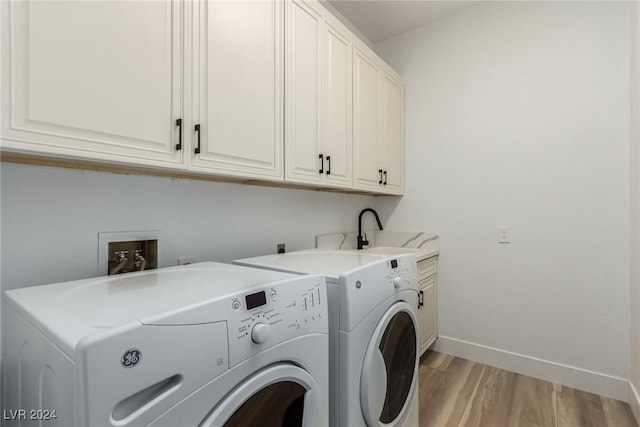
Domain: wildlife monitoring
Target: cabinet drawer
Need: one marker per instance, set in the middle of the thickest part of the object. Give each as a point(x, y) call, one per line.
point(427, 267)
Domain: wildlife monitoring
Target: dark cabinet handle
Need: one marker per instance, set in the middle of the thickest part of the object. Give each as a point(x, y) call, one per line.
point(380, 172)
point(329, 167)
point(197, 129)
point(421, 299)
point(385, 178)
point(179, 144)
point(321, 157)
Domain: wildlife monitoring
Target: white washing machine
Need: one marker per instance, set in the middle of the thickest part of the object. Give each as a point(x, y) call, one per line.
point(373, 338)
point(202, 345)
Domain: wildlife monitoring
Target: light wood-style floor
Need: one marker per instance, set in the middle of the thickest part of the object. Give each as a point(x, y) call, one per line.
point(459, 392)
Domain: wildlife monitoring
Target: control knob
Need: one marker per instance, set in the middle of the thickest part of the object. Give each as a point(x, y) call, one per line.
point(397, 282)
point(260, 333)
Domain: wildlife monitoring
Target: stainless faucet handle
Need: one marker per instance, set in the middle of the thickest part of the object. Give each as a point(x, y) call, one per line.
point(121, 254)
point(139, 260)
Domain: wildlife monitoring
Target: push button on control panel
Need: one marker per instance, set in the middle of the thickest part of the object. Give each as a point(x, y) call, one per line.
point(235, 304)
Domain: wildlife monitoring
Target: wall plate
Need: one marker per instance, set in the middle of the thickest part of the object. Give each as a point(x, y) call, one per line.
point(104, 238)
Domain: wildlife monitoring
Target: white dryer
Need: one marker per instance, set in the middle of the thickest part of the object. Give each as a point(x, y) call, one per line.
point(373, 338)
point(202, 345)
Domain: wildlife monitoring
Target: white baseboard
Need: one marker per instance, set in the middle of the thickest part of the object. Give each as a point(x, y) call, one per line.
point(570, 376)
point(634, 401)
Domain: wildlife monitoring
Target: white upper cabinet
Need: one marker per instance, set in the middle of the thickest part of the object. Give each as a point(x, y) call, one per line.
point(318, 97)
point(337, 135)
point(377, 125)
point(99, 80)
point(366, 118)
point(391, 135)
point(272, 90)
point(303, 94)
point(238, 90)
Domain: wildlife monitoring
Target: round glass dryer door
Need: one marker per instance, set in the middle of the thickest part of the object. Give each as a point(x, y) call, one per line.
point(390, 367)
point(274, 397)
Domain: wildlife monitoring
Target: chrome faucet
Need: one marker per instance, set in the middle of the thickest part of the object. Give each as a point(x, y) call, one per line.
point(139, 260)
point(120, 260)
point(363, 241)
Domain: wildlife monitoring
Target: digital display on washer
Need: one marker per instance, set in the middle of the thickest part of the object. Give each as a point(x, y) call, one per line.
point(256, 300)
point(394, 263)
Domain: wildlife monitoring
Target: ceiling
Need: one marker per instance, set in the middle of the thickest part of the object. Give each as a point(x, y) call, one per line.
point(381, 19)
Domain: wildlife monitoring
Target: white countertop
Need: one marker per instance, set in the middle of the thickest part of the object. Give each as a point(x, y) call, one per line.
point(422, 244)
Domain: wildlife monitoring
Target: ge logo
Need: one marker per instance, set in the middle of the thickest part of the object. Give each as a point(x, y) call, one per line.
point(131, 358)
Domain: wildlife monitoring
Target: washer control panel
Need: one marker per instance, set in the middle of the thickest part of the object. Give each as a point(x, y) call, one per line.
point(400, 274)
point(361, 290)
point(264, 317)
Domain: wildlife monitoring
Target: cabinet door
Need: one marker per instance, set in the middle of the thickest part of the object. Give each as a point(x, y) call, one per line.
point(99, 80)
point(366, 117)
point(337, 100)
point(391, 135)
point(238, 92)
point(303, 98)
point(427, 313)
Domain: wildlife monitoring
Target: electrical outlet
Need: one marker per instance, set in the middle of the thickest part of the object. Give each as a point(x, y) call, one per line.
point(185, 260)
point(504, 234)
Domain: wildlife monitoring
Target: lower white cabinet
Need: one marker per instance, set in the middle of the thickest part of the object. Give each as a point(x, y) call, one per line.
point(427, 310)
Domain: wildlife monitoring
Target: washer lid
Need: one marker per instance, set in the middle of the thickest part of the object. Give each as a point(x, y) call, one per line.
point(313, 261)
point(71, 311)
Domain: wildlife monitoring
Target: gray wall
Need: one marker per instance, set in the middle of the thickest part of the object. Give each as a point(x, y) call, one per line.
point(635, 207)
point(517, 113)
point(51, 219)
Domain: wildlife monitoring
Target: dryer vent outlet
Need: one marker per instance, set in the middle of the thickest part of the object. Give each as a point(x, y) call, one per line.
point(132, 255)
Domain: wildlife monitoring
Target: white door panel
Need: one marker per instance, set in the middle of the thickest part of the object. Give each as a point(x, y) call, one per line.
point(391, 146)
point(366, 117)
point(427, 313)
point(95, 79)
point(337, 137)
point(304, 94)
point(238, 85)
